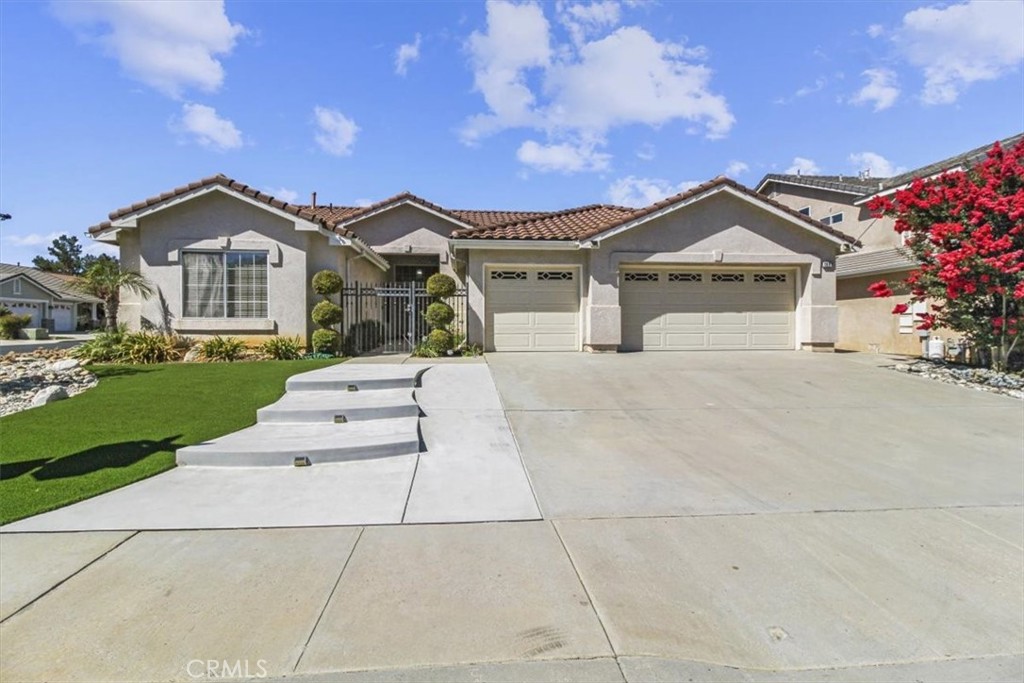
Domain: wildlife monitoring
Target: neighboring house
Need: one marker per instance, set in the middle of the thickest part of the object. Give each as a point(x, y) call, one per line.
point(717, 267)
point(866, 323)
point(49, 298)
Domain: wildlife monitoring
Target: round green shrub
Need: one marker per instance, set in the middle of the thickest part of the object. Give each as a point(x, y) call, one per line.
point(327, 282)
point(326, 314)
point(325, 341)
point(440, 285)
point(439, 314)
point(440, 341)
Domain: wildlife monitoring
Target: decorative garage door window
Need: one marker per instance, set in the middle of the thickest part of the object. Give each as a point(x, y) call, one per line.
point(685, 277)
point(641, 277)
point(554, 275)
point(508, 274)
point(769, 277)
point(230, 284)
point(727, 277)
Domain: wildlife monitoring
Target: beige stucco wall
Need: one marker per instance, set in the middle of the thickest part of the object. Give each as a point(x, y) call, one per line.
point(866, 323)
point(476, 261)
point(215, 221)
point(726, 230)
point(408, 231)
point(874, 233)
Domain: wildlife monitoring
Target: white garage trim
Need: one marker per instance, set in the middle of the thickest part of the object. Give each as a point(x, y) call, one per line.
point(489, 300)
point(675, 308)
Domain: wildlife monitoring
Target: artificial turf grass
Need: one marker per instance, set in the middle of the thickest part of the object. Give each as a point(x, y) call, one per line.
point(128, 428)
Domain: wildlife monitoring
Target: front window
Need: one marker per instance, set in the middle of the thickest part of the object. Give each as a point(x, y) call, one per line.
point(231, 284)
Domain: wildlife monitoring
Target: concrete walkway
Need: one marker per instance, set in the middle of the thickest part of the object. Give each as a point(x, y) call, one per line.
point(470, 471)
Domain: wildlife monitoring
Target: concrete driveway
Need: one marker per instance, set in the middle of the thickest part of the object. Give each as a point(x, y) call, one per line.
point(724, 517)
point(650, 434)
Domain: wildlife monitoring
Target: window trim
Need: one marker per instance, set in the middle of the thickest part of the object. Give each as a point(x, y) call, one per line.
point(16, 285)
point(223, 253)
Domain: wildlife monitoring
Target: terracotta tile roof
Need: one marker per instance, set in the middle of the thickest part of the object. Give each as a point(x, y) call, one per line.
point(493, 218)
point(58, 283)
point(588, 221)
point(569, 224)
point(219, 179)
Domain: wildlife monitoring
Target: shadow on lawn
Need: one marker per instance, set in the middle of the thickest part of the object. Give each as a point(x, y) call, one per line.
point(90, 460)
point(109, 371)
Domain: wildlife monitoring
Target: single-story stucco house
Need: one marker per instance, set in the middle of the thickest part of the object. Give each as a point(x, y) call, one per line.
point(716, 267)
point(49, 299)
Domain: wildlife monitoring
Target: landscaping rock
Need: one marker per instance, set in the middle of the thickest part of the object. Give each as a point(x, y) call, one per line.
point(42, 376)
point(64, 365)
point(982, 379)
point(49, 395)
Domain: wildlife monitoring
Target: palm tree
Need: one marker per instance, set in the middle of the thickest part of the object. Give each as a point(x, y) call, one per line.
point(105, 280)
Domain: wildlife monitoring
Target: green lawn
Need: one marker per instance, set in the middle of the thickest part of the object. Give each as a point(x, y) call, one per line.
point(128, 428)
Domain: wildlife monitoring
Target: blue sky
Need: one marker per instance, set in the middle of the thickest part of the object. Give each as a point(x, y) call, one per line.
point(482, 105)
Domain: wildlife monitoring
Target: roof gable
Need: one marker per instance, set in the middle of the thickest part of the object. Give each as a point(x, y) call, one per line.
point(401, 199)
point(708, 189)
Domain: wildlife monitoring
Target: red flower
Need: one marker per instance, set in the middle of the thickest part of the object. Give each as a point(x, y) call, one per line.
point(900, 309)
point(880, 289)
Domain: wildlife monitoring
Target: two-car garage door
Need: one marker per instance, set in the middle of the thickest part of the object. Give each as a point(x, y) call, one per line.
point(690, 309)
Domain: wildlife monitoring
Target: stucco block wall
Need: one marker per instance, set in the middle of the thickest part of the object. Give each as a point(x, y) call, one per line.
point(409, 231)
point(874, 233)
point(215, 221)
point(724, 230)
point(476, 261)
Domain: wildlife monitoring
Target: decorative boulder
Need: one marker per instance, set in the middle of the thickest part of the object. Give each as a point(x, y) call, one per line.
point(65, 365)
point(48, 395)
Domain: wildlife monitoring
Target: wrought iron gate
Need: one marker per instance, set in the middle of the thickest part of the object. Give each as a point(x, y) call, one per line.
point(387, 317)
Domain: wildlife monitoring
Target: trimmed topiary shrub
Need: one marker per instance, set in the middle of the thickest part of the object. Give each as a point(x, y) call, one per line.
point(327, 282)
point(440, 341)
point(326, 314)
point(439, 314)
point(325, 341)
point(441, 286)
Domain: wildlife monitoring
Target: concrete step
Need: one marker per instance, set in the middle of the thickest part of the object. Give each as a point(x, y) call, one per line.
point(345, 377)
point(328, 406)
point(277, 444)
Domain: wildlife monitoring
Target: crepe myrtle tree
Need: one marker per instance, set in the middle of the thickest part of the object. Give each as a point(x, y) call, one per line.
point(966, 230)
point(326, 313)
point(439, 314)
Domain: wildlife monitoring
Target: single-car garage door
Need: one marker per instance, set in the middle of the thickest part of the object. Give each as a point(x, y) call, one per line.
point(692, 309)
point(532, 309)
point(63, 317)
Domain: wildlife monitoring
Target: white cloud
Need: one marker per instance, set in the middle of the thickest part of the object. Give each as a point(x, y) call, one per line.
point(32, 239)
point(736, 168)
point(284, 194)
point(575, 93)
point(633, 191)
point(168, 45)
point(209, 129)
point(362, 201)
point(406, 54)
point(875, 30)
point(582, 20)
point(960, 44)
point(563, 157)
point(882, 89)
point(803, 166)
point(804, 91)
point(877, 165)
point(336, 133)
point(646, 152)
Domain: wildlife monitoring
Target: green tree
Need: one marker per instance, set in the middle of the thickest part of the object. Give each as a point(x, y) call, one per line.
point(66, 253)
point(67, 257)
point(105, 280)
